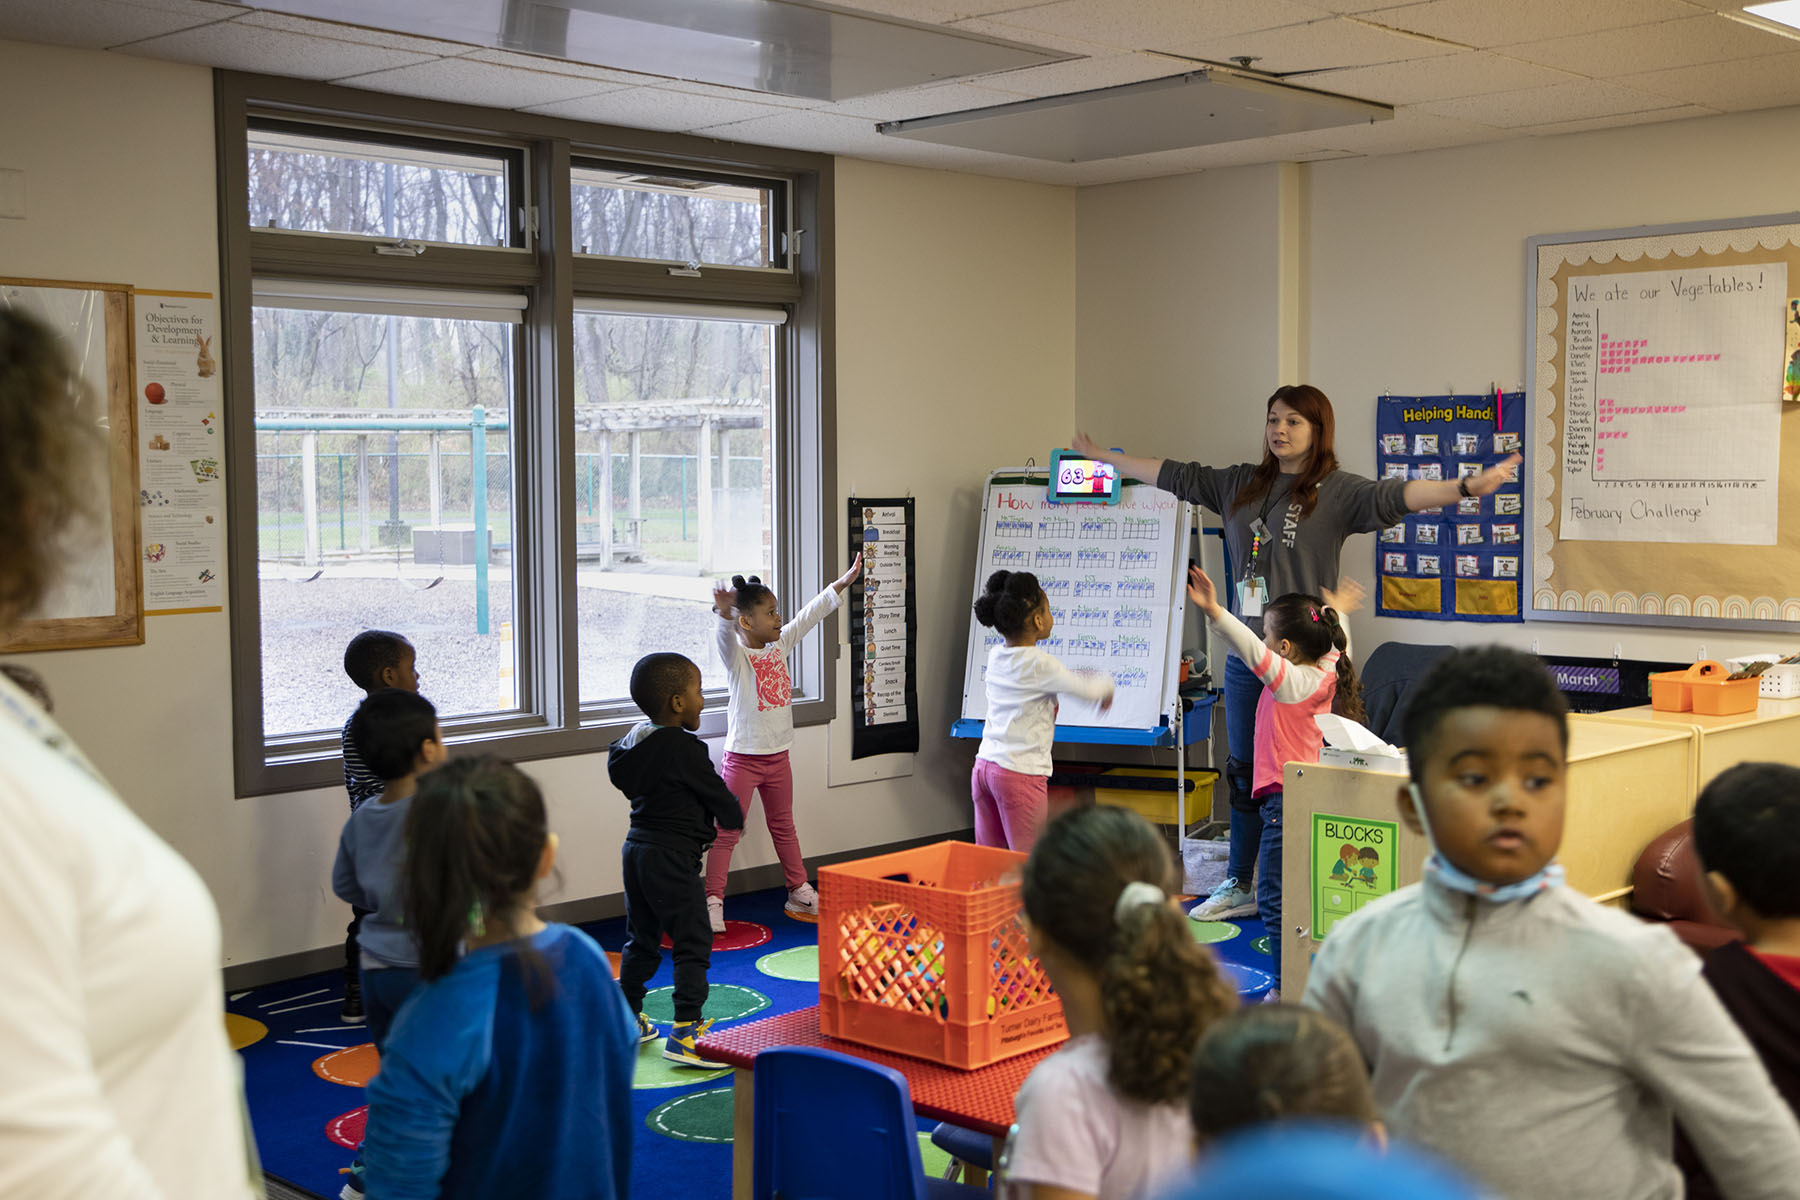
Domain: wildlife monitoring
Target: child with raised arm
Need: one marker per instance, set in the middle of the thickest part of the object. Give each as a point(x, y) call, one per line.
point(1303, 661)
point(509, 1073)
point(1747, 836)
point(1011, 782)
point(676, 800)
point(1512, 1025)
point(759, 725)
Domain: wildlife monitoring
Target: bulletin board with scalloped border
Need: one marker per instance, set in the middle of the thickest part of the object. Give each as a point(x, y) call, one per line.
point(1658, 582)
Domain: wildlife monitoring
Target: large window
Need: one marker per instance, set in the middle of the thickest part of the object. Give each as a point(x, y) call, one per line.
point(520, 394)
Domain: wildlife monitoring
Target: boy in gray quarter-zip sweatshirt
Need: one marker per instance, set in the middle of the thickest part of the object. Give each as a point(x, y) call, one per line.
point(1514, 1026)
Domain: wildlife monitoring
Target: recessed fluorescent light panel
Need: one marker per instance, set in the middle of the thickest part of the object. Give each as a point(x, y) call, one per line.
point(813, 51)
point(1200, 108)
point(1782, 12)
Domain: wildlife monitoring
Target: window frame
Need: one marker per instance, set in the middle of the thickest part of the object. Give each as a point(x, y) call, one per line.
point(541, 152)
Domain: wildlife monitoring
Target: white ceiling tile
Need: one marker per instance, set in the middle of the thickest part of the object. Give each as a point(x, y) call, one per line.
point(1087, 74)
point(997, 27)
point(1548, 105)
point(360, 34)
point(559, 66)
point(474, 83)
point(665, 109)
point(925, 101)
point(240, 47)
point(931, 12)
point(1679, 112)
point(1487, 23)
point(1767, 82)
point(1703, 39)
point(1318, 46)
point(1411, 129)
point(98, 24)
point(1467, 73)
point(1154, 24)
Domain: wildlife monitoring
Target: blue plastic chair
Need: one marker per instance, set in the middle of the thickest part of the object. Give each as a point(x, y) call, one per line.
point(965, 1148)
point(828, 1125)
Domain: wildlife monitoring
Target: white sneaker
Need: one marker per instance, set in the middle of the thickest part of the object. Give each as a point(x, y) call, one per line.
point(1231, 900)
point(803, 899)
point(715, 913)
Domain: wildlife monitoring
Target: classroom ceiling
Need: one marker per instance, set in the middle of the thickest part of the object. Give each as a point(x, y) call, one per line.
point(1455, 72)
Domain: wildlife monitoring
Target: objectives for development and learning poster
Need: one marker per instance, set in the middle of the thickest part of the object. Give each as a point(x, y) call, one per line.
point(1461, 562)
point(884, 694)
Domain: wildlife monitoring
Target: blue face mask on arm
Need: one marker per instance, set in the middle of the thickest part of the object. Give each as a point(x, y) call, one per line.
point(1457, 880)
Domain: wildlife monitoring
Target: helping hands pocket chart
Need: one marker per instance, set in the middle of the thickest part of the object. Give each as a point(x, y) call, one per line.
point(1463, 562)
point(1114, 576)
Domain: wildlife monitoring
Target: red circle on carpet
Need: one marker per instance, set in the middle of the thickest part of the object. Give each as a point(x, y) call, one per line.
point(347, 1129)
point(738, 935)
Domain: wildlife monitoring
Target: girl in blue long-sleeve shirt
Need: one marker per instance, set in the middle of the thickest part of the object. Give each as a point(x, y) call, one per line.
point(509, 1072)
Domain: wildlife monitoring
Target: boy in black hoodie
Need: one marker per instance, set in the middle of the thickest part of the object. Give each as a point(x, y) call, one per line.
point(676, 797)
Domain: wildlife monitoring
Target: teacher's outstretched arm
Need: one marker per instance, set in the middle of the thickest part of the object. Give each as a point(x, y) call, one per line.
point(1146, 469)
point(1422, 494)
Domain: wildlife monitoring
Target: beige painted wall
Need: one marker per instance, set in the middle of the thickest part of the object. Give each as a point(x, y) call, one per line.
point(1409, 271)
point(956, 325)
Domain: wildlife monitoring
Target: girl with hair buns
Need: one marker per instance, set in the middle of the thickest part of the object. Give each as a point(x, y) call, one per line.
point(1106, 1116)
point(753, 645)
point(1011, 783)
point(1302, 660)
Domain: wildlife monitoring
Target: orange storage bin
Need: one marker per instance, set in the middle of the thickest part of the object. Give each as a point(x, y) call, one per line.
point(922, 952)
point(1705, 687)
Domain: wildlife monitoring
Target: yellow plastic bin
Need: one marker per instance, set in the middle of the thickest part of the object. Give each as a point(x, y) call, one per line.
point(1147, 791)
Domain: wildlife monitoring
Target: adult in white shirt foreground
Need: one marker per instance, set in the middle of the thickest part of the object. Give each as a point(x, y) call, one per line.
point(116, 1080)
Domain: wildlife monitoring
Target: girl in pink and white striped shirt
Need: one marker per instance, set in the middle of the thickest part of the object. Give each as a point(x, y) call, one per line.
point(1303, 661)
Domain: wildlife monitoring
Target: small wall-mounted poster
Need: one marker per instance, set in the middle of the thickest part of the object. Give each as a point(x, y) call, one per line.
point(1507, 504)
point(1393, 443)
point(1394, 470)
point(1468, 443)
point(1468, 566)
point(1429, 470)
point(1506, 535)
point(1506, 566)
point(1467, 470)
point(1429, 567)
point(1425, 444)
point(1426, 535)
point(1506, 443)
point(1468, 535)
point(1469, 506)
point(1394, 564)
point(1394, 533)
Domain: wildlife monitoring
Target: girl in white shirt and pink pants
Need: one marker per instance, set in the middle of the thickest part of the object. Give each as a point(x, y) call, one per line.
point(1011, 783)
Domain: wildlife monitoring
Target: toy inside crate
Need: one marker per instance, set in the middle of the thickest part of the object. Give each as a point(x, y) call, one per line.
point(922, 952)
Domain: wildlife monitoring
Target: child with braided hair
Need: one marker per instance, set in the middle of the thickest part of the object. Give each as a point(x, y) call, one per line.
point(1106, 1115)
point(1303, 661)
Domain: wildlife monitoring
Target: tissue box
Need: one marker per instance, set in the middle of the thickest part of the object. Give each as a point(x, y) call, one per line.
point(1364, 760)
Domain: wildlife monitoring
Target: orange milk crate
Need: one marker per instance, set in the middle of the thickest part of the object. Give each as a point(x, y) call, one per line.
point(922, 952)
point(1704, 688)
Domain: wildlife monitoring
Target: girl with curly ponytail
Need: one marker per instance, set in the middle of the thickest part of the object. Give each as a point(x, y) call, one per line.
point(1106, 1115)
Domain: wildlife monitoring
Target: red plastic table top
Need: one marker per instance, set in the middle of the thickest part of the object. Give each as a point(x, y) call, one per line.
point(981, 1099)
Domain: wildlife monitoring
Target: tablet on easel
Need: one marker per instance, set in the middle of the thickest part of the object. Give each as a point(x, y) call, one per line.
point(1075, 479)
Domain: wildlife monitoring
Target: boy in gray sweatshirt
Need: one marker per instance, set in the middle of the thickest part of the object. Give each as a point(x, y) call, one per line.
point(1514, 1026)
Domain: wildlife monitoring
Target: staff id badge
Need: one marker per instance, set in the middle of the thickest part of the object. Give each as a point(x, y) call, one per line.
point(1252, 595)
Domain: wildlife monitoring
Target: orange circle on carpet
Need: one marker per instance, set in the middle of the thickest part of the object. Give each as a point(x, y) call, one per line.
point(244, 1031)
point(352, 1068)
point(347, 1128)
point(738, 935)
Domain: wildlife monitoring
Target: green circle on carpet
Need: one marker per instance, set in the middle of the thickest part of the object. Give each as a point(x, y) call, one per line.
point(655, 1071)
point(1261, 945)
point(1213, 931)
point(700, 1117)
point(936, 1161)
point(724, 1002)
point(799, 963)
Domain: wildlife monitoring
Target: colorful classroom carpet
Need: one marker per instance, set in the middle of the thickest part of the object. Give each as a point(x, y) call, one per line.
point(304, 1070)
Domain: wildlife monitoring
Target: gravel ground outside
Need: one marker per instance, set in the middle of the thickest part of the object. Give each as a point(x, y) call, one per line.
point(305, 627)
